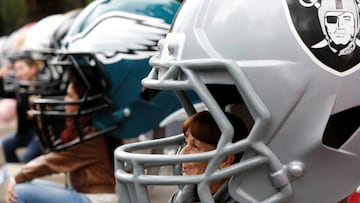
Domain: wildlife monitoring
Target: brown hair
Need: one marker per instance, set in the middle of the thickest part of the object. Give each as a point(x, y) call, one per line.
point(80, 85)
point(27, 59)
point(204, 128)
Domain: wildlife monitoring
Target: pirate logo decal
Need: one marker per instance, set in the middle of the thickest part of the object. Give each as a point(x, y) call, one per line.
point(330, 29)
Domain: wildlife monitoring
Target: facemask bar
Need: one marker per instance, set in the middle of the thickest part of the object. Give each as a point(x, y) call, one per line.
point(10, 81)
point(189, 75)
point(82, 61)
point(51, 79)
point(49, 113)
point(53, 107)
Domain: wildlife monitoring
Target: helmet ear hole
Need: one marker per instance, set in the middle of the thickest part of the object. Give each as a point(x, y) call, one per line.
point(341, 126)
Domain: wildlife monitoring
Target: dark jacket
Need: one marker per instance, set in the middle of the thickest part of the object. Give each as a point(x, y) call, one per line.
point(22, 106)
point(24, 123)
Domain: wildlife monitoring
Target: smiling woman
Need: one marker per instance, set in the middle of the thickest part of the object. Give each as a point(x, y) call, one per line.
point(202, 134)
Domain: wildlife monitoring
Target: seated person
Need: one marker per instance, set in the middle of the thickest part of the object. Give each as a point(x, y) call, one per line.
point(202, 135)
point(26, 69)
point(90, 165)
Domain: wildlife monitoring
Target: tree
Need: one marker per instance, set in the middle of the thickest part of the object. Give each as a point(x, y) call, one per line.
point(16, 13)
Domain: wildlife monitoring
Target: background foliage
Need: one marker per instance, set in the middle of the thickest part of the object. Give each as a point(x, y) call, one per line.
point(16, 13)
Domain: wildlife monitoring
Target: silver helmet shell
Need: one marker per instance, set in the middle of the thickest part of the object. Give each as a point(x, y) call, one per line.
point(303, 101)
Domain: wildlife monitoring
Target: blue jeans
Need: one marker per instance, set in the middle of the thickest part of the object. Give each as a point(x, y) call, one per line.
point(29, 140)
point(41, 191)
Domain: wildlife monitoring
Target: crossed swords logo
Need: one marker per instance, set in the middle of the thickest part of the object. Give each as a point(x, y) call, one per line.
point(339, 20)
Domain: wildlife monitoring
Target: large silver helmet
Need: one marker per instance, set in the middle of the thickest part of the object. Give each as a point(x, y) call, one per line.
point(303, 103)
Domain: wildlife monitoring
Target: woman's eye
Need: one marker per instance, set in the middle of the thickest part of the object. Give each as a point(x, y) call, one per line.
point(196, 147)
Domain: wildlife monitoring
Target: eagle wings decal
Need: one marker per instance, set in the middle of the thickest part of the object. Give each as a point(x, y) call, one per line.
point(136, 36)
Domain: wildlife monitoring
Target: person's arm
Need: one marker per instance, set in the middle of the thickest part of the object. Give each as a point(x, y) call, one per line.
point(36, 168)
point(33, 169)
point(10, 194)
point(63, 161)
point(54, 162)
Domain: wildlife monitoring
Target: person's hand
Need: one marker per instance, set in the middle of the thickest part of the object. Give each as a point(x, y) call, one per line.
point(10, 193)
point(30, 113)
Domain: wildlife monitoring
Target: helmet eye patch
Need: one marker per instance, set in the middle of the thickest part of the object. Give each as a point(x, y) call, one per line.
point(331, 19)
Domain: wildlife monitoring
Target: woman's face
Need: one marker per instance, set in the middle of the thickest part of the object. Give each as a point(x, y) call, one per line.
point(192, 146)
point(71, 95)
